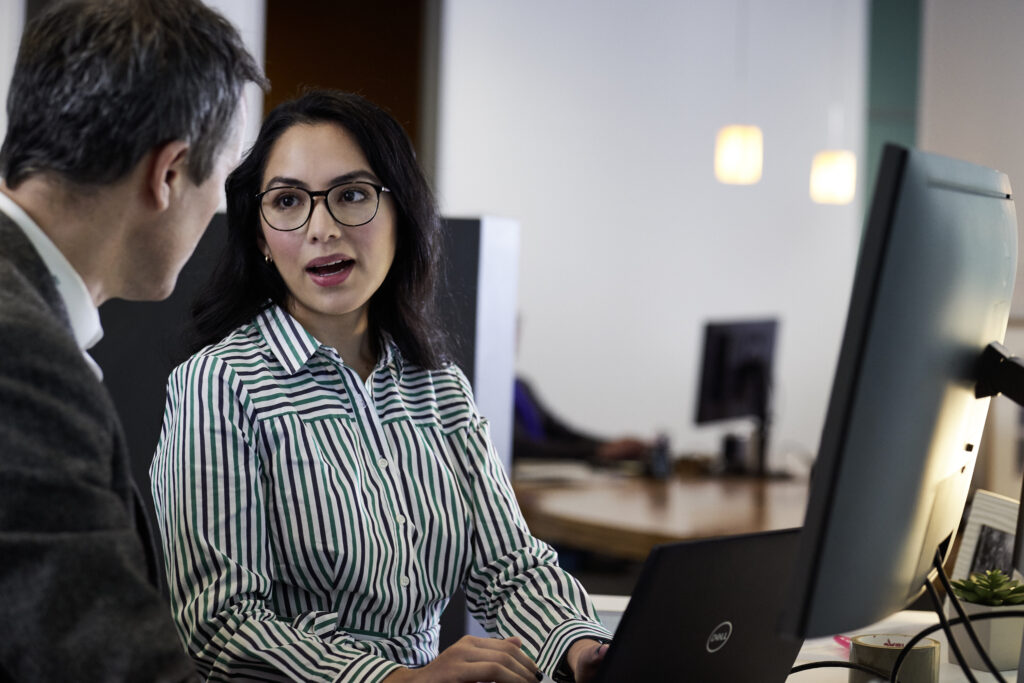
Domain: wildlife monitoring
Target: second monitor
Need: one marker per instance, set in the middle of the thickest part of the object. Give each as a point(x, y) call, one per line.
point(736, 382)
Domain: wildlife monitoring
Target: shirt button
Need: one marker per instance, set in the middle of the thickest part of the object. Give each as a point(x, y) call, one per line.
point(400, 519)
point(383, 463)
point(404, 581)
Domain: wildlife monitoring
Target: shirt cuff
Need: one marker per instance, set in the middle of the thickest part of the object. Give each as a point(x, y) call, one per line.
point(552, 656)
point(368, 668)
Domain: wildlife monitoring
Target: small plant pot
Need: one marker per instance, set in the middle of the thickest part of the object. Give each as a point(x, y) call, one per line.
point(1001, 638)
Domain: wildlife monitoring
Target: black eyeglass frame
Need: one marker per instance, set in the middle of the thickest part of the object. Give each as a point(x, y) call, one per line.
point(313, 194)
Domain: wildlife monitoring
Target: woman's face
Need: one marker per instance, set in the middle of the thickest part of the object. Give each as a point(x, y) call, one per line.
point(331, 270)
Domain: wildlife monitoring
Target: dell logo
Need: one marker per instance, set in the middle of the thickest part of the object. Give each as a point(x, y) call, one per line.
point(719, 637)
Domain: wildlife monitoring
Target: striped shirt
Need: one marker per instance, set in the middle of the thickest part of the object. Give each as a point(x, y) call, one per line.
point(315, 525)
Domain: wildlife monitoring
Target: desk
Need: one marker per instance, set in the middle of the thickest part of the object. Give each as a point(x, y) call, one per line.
point(626, 516)
point(906, 623)
point(610, 609)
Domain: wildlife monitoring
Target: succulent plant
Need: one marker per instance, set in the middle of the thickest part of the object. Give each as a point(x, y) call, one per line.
point(990, 588)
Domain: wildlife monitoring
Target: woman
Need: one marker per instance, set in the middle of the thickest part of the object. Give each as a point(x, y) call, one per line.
point(323, 480)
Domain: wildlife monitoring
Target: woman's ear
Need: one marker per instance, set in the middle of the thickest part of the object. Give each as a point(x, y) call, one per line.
point(261, 244)
point(167, 171)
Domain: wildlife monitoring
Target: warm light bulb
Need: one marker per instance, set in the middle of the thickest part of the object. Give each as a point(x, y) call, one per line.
point(834, 176)
point(739, 154)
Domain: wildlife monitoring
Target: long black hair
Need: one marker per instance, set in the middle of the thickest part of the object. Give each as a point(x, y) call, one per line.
point(243, 283)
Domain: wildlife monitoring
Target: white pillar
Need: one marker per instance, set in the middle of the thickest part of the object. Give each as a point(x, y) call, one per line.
point(12, 19)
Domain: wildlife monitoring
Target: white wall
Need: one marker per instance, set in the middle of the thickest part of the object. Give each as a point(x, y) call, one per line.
point(971, 106)
point(12, 18)
point(971, 102)
point(250, 18)
point(593, 124)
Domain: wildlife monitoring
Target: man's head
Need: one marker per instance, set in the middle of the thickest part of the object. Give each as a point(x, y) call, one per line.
point(124, 118)
point(99, 84)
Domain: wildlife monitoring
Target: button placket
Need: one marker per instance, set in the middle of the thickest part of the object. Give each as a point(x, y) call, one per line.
point(366, 414)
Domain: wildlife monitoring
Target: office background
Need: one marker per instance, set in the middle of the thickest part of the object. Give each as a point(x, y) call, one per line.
point(592, 124)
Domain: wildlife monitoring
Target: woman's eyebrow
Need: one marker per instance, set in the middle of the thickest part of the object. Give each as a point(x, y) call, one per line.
point(284, 180)
point(354, 175)
point(360, 174)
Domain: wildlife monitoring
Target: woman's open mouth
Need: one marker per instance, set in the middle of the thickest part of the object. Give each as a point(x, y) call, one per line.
point(329, 271)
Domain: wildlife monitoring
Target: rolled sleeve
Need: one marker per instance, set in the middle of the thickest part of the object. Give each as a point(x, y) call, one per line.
point(515, 586)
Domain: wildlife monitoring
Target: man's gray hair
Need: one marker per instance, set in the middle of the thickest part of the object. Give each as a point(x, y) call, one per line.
point(99, 83)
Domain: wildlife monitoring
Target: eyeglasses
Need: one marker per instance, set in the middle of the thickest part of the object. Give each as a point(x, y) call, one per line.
point(289, 208)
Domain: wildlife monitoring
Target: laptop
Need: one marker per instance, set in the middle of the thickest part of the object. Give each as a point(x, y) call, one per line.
point(708, 611)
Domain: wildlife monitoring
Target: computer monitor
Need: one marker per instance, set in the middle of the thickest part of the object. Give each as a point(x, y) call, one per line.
point(736, 377)
point(932, 288)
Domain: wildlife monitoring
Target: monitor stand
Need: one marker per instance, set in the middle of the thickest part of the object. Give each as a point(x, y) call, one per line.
point(739, 464)
point(1001, 373)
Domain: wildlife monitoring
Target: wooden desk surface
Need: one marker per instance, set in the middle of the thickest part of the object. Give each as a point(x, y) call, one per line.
point(627, 516)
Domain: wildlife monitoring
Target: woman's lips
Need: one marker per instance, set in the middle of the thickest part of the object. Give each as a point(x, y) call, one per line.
point(328, 271)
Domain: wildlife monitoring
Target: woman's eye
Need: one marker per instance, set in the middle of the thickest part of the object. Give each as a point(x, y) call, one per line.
point(286, 201)
point(352, 194)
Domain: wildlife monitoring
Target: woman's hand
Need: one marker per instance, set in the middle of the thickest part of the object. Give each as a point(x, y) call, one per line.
point(473, 659)
point(585, 657)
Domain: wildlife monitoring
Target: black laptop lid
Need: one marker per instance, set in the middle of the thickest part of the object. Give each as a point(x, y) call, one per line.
point(708, 611)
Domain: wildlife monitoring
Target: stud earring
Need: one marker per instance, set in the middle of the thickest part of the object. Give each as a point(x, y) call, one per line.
point(267, 258)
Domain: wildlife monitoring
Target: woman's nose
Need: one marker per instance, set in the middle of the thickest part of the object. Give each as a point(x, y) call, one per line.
point(322, 225)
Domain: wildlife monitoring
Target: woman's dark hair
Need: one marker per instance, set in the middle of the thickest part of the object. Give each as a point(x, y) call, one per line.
point(403, 307)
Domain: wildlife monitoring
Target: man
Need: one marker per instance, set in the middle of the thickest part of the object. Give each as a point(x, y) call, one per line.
point(125, 116)
point(539, 434)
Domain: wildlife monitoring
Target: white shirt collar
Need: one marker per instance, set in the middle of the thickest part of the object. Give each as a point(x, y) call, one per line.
point(84, 316)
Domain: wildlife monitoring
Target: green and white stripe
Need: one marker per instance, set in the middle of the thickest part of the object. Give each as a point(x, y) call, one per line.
point(315, 526)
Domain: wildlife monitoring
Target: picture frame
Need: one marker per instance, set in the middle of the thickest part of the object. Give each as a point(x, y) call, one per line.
point(987, 539)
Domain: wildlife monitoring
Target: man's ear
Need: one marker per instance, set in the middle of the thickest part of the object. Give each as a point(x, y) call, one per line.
point(166, 172)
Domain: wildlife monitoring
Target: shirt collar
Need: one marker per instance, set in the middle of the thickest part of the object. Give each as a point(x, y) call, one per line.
point(289, 341)
point(82, 312)
point(293, 346)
